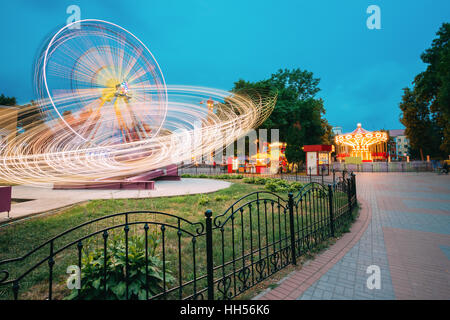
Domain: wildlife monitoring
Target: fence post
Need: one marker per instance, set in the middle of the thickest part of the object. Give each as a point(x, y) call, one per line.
point(291, 222)
point(330, 199)
point(349, 194)
point(322, 169)
point(209, 255)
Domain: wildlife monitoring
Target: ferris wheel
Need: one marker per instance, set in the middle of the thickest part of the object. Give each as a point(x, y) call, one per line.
point(102, 83)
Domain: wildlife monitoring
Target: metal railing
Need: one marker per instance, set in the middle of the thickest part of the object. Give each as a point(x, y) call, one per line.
point(384, 166)
point(218, 258)
point(296, 175)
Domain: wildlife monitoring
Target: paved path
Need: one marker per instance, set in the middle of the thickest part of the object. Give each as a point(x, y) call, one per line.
point(47, 199)
point(403, 228)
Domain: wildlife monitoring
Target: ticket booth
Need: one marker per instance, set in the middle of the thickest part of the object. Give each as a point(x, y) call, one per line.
point(318, 158)
point(232, 164)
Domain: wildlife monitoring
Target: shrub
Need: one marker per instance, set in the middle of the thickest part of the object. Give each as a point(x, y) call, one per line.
point(92, 271)
point(220, 176)
point(295, 186)
point(280, 185)
point(221, 198)
point(248, 180)
point(260, 181)
point(271, 185)
point(204, 199)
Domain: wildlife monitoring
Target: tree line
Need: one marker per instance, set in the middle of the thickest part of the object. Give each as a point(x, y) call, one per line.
point(425, 108)
point(298, 113)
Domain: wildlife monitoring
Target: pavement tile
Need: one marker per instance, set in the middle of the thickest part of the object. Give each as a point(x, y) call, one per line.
point(407, 237)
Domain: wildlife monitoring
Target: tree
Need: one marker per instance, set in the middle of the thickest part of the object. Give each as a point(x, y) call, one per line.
point(298, 114)
point(7, 101)
point(429, 100)
point(420, 129)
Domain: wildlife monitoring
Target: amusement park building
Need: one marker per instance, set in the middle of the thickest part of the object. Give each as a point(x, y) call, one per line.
point(400, 144)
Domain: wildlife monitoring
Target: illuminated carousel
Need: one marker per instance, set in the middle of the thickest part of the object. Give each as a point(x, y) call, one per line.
point(361, 145)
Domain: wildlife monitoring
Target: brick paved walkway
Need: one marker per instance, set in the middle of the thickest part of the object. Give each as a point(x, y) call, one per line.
point(404, 228)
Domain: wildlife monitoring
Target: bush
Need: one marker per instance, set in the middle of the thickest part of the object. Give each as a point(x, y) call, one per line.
point(92, 271)
point(277, 185)
point(204, 199)
point(220, 176)
point(261, 180)
point(295, 186)
point(280, 185)
point(221, 198)
point(248, 180)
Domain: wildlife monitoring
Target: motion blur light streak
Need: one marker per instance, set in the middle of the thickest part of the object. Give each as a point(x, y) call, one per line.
point(108, 114)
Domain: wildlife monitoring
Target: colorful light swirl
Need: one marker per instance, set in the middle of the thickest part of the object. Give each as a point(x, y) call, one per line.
point(108, 113)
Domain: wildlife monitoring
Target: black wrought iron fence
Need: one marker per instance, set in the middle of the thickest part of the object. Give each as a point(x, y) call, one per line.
point(156, 255)
point(296, 175)
point(385, 166)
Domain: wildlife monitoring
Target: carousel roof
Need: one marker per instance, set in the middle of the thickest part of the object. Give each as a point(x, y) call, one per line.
point(358, 129)
point(360, 137)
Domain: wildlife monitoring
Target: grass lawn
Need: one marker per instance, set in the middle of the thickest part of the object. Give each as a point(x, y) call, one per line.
point(184, 258)
point(19, 238)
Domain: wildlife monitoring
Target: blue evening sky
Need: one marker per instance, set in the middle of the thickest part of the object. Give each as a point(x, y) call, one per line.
point(214, 43)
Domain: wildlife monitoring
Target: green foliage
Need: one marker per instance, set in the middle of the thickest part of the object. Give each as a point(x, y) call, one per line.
point(220, 176)
point(221, 198)
point(7, 101)
point(92, 271)
point(426, 108)
point(296, 186)
point(256, 180)
point(186, 175)
point(275, 185)
point(420, 128)
point(249, 180)
point(261, 180)
point(203, 200)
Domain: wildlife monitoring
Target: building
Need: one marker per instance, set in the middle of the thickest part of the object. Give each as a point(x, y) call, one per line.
point(337, 130)
point(401, 143)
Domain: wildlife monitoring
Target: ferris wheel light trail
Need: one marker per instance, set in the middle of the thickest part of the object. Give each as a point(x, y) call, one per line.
point(108, 113)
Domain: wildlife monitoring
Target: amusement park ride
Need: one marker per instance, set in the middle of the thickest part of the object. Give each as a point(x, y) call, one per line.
point(109, 119)
point(361, 145)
